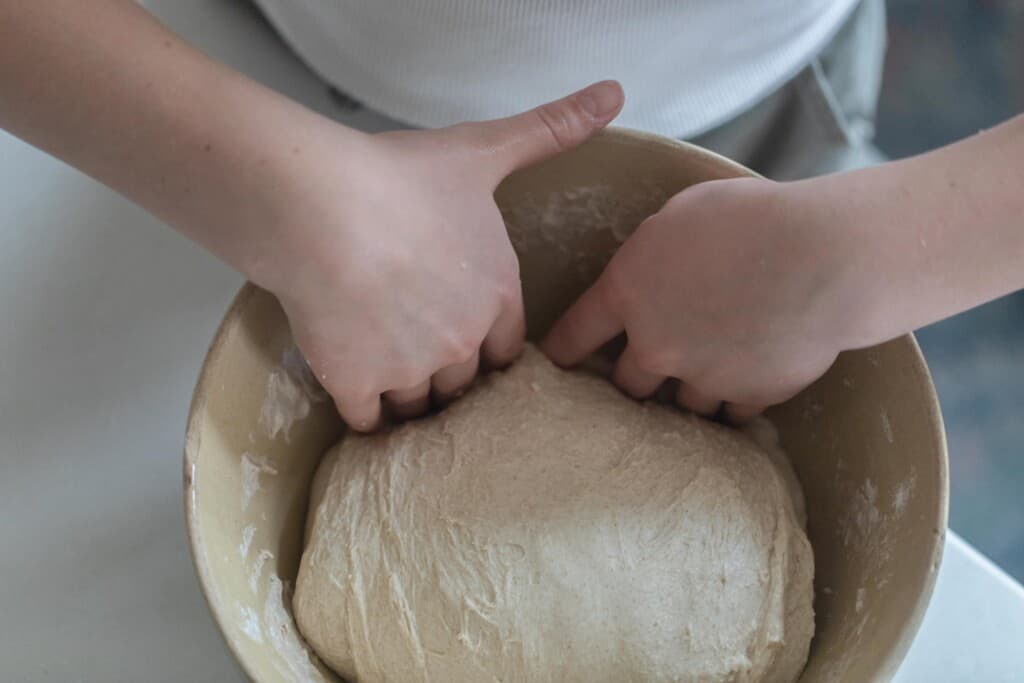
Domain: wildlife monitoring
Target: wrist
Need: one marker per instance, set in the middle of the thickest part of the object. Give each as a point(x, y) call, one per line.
point(855, 285)
point(276, 177)
point(304, 189)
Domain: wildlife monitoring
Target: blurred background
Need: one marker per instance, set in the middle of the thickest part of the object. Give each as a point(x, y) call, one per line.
point(955, 67)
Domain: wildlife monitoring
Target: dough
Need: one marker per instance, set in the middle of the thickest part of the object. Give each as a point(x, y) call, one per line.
point(547, 528)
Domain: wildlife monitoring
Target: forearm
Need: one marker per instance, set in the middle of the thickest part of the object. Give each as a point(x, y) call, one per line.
point(104, 87)
point(933, 235)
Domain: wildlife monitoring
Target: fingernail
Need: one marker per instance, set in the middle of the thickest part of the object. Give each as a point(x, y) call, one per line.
point(601, 99)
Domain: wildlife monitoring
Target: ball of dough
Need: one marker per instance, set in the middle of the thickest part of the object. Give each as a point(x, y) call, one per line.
point(547, 528)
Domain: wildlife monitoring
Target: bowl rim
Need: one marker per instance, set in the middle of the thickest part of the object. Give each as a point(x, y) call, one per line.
point(887, 665)
point(193, 444)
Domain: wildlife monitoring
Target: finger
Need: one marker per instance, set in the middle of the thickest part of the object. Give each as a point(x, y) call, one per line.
point(634, 379)
point(406, 403)
point(361, 416)
point(582, 329)
point(449, 383)
point(742, 413)
point(547, 130)
point(504, 342)
point(693, 399)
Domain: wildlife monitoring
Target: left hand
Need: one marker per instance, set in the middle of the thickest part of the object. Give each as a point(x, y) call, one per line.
point(742, 289)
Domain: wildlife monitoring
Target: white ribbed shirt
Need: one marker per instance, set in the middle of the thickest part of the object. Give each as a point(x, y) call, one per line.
point(686, 65)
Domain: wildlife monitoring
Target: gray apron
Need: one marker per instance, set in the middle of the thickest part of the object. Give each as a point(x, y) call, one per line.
point(821, 121)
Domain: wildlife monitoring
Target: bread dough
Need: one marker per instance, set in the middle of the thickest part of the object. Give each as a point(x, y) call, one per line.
point(548, 528)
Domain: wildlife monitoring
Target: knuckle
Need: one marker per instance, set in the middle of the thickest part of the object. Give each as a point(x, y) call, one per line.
point(710, 381)
point(694, 394)
point(406, 378)
point(655, 359)
point(458, 348)
point(451, 382)
point(559, 121)
point(508, 292)
point(505, 347)
point(353, 391)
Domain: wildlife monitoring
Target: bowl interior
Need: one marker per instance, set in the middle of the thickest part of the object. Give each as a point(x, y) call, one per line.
point(866, 440)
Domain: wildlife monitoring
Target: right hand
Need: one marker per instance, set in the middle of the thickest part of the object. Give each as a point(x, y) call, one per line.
point(391, 259)
point(745, 290)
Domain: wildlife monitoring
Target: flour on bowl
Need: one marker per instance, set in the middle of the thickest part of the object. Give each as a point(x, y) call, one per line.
point(256, 570)
point(294, 658)
point(887, 427)
point(560, 221)
point(250, 623)
point(291, 392)
point(247, 534)
point(902, 495)
point(252, 467)
point(863, 517)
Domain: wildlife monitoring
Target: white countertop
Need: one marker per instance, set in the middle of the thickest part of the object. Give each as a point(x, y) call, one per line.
point(104, 320)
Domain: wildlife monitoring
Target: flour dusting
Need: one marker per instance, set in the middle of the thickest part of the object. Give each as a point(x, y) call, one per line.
point(902, 495)
point(250, 623)
point(291, 392)
point(252, 467)
point(247, 534)
point(294, 659)
point(887, 427)
point(256, 570)
point(863, 516)
point(565, 223)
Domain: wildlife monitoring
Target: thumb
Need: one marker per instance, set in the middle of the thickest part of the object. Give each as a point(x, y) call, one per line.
point(550, 129)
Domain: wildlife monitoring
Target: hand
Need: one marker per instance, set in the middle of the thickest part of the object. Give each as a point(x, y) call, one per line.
point(735, 287)
point(395, 270)
point(387, 252)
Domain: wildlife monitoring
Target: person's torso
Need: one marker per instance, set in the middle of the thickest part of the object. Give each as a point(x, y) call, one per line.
point(686, 65)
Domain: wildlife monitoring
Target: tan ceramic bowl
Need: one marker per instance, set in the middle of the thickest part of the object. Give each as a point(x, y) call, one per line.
point(866, 440)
